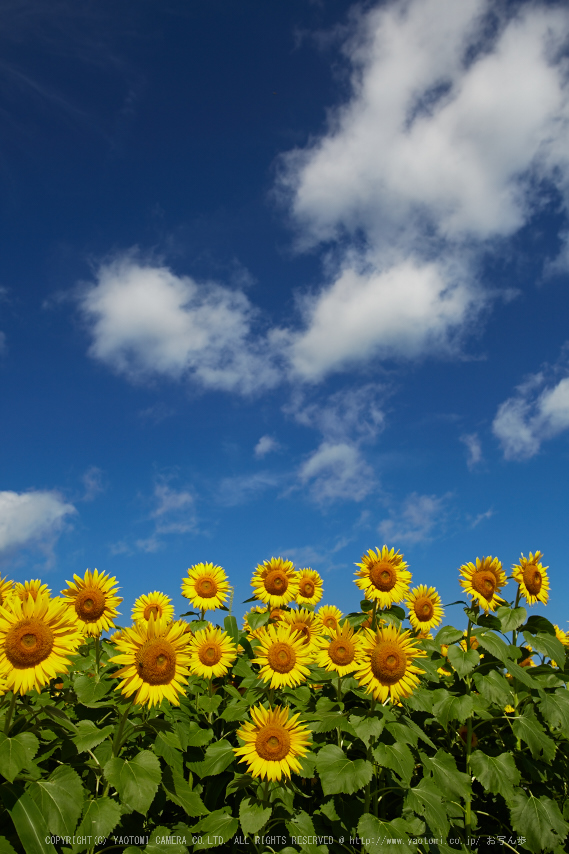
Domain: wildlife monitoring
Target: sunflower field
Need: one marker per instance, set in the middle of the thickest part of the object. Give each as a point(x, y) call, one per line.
point(303, 730)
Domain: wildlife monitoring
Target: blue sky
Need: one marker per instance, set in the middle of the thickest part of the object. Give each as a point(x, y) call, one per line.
point(283, 279)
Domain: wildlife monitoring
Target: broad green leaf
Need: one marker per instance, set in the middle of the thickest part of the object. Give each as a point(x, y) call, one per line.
point(447, 635)
point(60, 799)
point(232, 629)
point(31, 827)
point(167, 745)
point(181, 793)
point(328, 722)
point(489, 621)
point(340, 775)
point(555, 709)
point(498, 774)
point(307, 765)
point(536, 624)
point(89, 735)
point(522, 674)
point(463, 661)
point(91, 689)
point(378, 836)
point(411, 725)
point(527, 728)
point(303, 834)
point(447, 707)
point(446, 775)
point(164, 841)
point(398, 757)
point(16, 753)
point(402, 732)
point(193, 735)
point(216, 829)
point(257, 620)
point(368, 729)
point(539, 820)
point(236, 711)
point(547, 644)
point(511, 618)
point(209, 704)
point(218, 757)
point(494, 687)
point(101, 816)
point(136, 780)
point(252, 815)
point(6, 847)
point(426, 799)
point(494, 645)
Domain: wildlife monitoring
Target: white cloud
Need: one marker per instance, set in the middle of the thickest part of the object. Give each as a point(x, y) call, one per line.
point(482, 517)
point(537, 412)
point(473, 449)
point(265, 445)
point(415, 520)
point(93, 482)
point(175, 510)
point(243, 488)
point(31, 518)
point(146, 321)
point(337, 471)
point(350, 413)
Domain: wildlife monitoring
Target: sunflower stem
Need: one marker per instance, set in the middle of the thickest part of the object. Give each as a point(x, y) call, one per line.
point(210, 713)
point(514, 632)
point(10, 713)
point(468, 798)
point(98, 653)
point(117, 740)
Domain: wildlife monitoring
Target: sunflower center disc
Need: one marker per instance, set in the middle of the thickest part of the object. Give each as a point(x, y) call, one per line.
point(276, 582)
point(273, 743)
point(209, 654)
point(341, 651)
point(155, 610)
point(90, 604)
point(307, 589)
point(156, 662)
point(383, 576)
point(206, 587)
point(28, 643)
point(302, 630)
point(388, 662)
point(532, 579)
point(424, 609)
point(330, 622)
point(484, 583)
point(282, 657)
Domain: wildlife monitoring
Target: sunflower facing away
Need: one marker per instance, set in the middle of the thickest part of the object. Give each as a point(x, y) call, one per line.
point(532, 578)
point(340, 652)
point(274, 742)
point(484, 581)
point(212, 653)
point(275, 582)
point(383, 576)
point(32, 588)
point(6, 589)
point(310, 587)
point(155, 657)
point(330, 617)
point(206, 586)
point(36, 636)
point(387, 669)
point(283, 656)
point(303, 621)
point(425, 609)
point(94, 600)
point(157, 604)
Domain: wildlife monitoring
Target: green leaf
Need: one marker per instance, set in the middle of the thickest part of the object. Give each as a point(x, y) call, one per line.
point(340, 775)
point(252, 815)
point(498, 774)
point(30, 826)
point(539, 820)
point(16, 753)
point(232, 629)
point(164, 841)
point(380, 837)
point(6, 847)
point(489, 621)
point(447, 777)
point(536, 624)
point(463, 661)
point(426, 799)
point(494, 645)
point(447, 635)
point(236, 711)
point(136, 780)
point(367, 729)
point(398, 757)
point(209, 704)
point(101, 816)
point(307, 765)
point(547, 644)
point(60, 799)
point(194, 735)
point(411, 725)
point(301, 829)
point(522, 674)
point(179, 791)
point(511, 618)
point(447, 707)
point(328, 722)
point(216, 829)
point(494, 687)
point(555, 709)
point(91, 689)
point(527, 728)
point(167, 745)
point(89, 735)
point(257, 620)
point(217, 758)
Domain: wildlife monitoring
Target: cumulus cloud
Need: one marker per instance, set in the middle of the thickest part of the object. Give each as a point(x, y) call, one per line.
point(265, 445)
point(31, 518)
point(415, 520)
point(336, 471)
point(473, 449)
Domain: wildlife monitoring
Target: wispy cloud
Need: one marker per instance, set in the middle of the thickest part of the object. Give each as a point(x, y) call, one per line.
point(350, 414)
point(241, 489)
point(336, 471)
point(473, 449)
point(266, 445)
point(93, 483)
point(482, 517)
point(415, 520)
point(31, 519)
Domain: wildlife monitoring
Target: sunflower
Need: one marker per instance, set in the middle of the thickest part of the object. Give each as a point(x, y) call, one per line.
point(206, 586)
point(32, 588)
point(306, 622)
point(341, 652)
point(155, 603)
point(532, 578)
point(274, 742)
point(94, 600)
point(275, 582)
point(284, 657)
point(36, 636)
point(212, 653)
point(310, 588)
point(330, 617)
point(484, 581)
point(155, 657)
point(386, 668)
point(6, 589)
point(425, 608)
point(383, 576)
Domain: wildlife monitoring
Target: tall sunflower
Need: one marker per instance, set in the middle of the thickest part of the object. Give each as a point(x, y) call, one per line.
point(36, 636)
point(532, 578)
point(310, 587)
point(340, 652)
point(303, 621)
point(386, 668)
point(155, 657)
point(330, 617)
point(32, 588)
point(206, 586)
point(425, 609)
point(6, 589)
point(94, 600)
point(274, 742)
point(275, 582)
point(383, 576)
point(283, 656)
point(212, 653)
point(483, 581)
point(154, 603)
